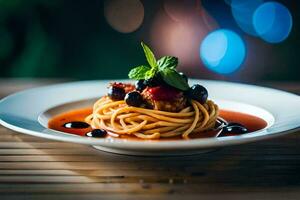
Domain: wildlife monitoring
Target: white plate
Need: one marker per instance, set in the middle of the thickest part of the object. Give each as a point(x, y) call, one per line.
point(29, 111)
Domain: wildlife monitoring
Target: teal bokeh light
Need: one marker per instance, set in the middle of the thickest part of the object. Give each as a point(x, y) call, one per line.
point(242, 12)
point(272, 22)
point(222, 51)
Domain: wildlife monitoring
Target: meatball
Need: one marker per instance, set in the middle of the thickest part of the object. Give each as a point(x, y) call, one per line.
point(164, 98)
point(126, 86)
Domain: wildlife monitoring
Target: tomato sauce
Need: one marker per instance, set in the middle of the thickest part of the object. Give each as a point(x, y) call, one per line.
point(58, 122)
point(252, 123)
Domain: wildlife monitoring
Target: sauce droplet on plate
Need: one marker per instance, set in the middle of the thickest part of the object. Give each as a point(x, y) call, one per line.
point(76, 124)
point(233, 128)
point(98, 133)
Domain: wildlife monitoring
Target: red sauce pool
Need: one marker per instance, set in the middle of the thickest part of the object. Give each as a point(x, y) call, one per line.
point(252, 123)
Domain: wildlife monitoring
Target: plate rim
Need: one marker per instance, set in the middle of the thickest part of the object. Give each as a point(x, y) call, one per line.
point(186, 144)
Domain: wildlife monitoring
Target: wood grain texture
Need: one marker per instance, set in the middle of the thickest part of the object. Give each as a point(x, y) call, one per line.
point(36, 168)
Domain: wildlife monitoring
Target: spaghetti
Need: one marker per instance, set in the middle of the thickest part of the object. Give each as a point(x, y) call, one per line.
point(119, 118)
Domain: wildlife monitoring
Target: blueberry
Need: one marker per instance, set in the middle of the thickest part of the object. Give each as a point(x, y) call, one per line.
point(184, 76)
point(134, 99)
point(155, 81)
point(116, 93)
point(198, 93)
point(151, 82)
point(140, 85)
point(98, 133)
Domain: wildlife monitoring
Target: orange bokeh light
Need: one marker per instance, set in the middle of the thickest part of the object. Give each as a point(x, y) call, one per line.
point(124, 16)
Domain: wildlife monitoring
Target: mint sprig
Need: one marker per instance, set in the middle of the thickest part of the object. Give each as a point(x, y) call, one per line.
point(165, 66)
point(139, 72)
point(173, 78)
point(167, 62)
point(149, 56)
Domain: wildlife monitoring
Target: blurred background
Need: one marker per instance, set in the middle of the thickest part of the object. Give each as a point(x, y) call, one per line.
point(235, 40)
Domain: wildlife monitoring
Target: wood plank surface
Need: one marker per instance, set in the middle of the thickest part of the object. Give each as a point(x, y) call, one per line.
point(36, 168)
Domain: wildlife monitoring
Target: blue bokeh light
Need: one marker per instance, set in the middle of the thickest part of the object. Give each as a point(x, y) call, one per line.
point(222, 51)
point(272, 22)
point(242, 12)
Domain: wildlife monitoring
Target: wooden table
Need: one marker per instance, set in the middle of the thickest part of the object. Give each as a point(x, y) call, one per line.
point(35, 168)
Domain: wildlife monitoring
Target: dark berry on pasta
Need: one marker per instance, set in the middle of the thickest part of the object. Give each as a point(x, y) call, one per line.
point(140, 85)
point(151, 82)
point(198, 93)
point(134, 99)
point(116, 93)
point(155, 81)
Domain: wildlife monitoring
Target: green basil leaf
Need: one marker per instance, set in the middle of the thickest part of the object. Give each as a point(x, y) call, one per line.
point(173, 78)
point(149, 56)
point(139, 72)
point(150, 74)
point(167, 62)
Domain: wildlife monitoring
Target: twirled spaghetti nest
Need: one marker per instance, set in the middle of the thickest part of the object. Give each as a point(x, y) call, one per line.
point(119, 118)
